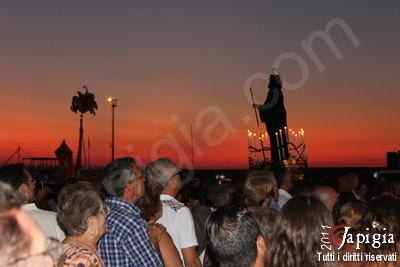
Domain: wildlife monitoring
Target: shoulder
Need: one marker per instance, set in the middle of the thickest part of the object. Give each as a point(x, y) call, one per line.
point(73, 255)
point(174, 204)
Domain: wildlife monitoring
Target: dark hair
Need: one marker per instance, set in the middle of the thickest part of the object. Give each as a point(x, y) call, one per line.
point(76, 203)
point(266, 219)
point(297, 233)
point(351, 213)
point(232, 233)
point(150, 203)
point(14, 175)
point(281, 173)
point(9, 198)
point(218, 194)
point(343, 198)
point(13, 240)
point(382, 217)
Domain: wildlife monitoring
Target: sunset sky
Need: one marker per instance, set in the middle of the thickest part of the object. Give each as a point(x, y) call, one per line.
point(173, 64)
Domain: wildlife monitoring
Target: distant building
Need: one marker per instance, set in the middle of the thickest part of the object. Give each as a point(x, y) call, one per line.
point(393, 160)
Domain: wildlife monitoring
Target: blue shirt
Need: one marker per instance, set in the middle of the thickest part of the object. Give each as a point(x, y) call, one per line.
point(274, 205)
point(127, 241)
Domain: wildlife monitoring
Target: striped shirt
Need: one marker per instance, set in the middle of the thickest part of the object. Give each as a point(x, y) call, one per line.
point(127, 241)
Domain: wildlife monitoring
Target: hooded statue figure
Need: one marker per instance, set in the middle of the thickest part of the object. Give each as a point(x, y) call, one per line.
point(273, 113)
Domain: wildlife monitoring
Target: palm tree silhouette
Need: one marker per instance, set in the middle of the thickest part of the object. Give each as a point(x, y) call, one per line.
point(83, 103)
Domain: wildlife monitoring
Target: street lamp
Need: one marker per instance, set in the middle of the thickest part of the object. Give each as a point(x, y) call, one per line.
point(113, 103)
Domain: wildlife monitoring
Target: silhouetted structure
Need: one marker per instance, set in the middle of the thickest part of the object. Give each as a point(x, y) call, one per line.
point(273, 113)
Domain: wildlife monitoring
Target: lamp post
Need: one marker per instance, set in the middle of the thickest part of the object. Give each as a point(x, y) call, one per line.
point(113, 103)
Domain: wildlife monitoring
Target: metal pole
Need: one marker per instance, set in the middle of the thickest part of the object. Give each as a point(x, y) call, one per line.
point(112, 141)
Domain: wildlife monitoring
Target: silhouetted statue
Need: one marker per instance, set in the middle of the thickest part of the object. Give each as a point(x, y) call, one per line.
point(273, 113)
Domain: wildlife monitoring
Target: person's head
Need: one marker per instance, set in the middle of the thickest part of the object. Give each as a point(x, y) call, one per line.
point(124, 179)
point(258, 192)
point(297, 235)
point(150, 204)
point(270, 176)
point(22, 242)
point(328, 195)
point(234, 238)
point(382, 217)
point(274, 81)
point(80, 211)
point(351, 213)
point(282, 176)
point(343, 198)
point(354, 181)
point(120, 163)
point(166, 173)
point(219, 196)
point(348, 182)
point(20, 179)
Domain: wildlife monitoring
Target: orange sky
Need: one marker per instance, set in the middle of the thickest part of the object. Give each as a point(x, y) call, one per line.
point(165, 60)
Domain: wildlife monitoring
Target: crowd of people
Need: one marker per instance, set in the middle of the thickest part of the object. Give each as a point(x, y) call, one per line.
point(149, 217)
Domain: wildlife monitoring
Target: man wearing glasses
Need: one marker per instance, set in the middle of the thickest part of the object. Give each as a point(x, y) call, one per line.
point(176, 217)
point(21, 180)
point(127, 241)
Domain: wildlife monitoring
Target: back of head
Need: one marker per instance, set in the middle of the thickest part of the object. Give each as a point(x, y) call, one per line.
point(76, 203)
point(219, 196)
point(150, 203)
point(297, 236)
point(161, 171)
point(232, 235)
point(121, 163)
point(14, 242)
point(382, 217)
point(327, 195)
point(266, 219)
point(351, 213)
point(116, 180)
point(256, 190)
point(14, 175)
point(280, 172)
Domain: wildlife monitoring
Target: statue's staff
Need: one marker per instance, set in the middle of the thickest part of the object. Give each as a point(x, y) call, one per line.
point(258, 125)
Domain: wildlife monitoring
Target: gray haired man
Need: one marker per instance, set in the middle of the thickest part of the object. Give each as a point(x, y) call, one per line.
point(176, 217)
point(127, 241)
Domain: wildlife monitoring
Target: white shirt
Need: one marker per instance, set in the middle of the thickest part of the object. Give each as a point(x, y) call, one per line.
point(283, 197)
point(178, 220)
point(46, 220)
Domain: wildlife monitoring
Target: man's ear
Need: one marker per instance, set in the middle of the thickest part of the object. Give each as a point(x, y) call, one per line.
point(131, 187)
point(23, 189)
point(261, 246)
